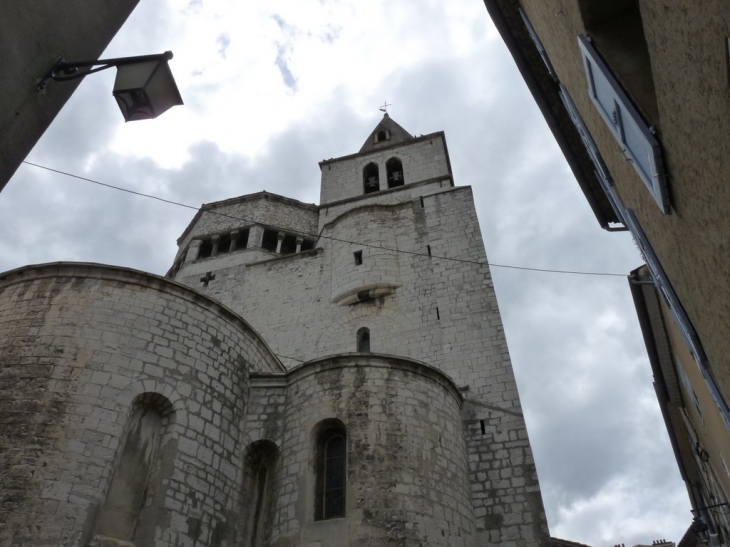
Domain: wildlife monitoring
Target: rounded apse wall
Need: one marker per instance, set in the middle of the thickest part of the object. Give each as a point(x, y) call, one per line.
point(105, 365)
point(406, 479)
point(370, 268)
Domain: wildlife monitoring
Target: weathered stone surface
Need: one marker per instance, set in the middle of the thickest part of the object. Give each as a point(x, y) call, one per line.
point(82, 344)
point(441, 312)
point(108, 371)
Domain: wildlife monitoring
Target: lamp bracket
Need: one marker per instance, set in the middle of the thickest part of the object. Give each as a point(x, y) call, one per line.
point(64, 71)
point(708, 507)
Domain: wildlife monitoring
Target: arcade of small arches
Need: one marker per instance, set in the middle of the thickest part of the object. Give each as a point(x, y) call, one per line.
point(272, 240)
point(275, 241)
point(371, 175)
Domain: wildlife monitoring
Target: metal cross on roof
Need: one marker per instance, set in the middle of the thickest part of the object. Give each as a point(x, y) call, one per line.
point(385, 106)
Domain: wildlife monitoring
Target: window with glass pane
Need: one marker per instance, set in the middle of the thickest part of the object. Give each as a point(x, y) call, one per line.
point(331, 470)
point(334, 478)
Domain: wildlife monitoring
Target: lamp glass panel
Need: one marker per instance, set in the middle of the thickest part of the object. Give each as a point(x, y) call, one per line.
point(135, 75)
point(162, 91)
point(135, 105)
point(145, 90)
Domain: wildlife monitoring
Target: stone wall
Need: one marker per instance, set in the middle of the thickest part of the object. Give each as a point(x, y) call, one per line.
point(442, 312)
point(464, 337)
point(262, 208)
point(423, 158)
point(373, 225)
point(81, 347)
point(407, 478)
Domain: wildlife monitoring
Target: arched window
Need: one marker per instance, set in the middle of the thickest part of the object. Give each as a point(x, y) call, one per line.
point(331, 447)
point(370, 178)
point(260, 494)
point(206, 248)
point(133, 499)
point(394, 168)
point(224, 244)
point(261, 458)
point(381, 136)
point(363, 340)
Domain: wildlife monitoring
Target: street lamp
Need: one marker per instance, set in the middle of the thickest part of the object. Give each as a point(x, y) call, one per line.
point(144, 87)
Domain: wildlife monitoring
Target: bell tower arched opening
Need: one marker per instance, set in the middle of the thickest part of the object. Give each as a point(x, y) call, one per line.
point(370, 176)
point(394, 168)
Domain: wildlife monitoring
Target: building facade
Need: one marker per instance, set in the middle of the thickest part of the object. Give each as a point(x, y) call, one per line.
point(696, 426)
point(637, 95)
point(367, 399)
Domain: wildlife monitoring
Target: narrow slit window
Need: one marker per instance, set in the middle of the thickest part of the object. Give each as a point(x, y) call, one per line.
point(428, 248)
point(421, 202)
point(438, 315)
point(484, 429)
point(334, 478)
point(358, 258)
point(363, 340)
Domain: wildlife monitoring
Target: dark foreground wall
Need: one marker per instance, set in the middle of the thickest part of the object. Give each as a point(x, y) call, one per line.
point(33, 36)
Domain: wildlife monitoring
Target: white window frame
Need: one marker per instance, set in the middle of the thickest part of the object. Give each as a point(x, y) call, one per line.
point(602, 174)
point(633, 134)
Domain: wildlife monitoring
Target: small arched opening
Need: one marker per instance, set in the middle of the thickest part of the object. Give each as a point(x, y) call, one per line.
point(363, 340)
point(135, 494)
point(370, 177)
point(259, 473)
point(394, 168)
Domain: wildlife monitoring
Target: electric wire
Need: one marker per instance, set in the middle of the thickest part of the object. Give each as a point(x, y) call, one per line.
point(322, 236)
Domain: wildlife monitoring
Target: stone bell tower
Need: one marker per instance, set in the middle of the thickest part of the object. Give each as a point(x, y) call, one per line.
point(391, 262)
point(331, 375)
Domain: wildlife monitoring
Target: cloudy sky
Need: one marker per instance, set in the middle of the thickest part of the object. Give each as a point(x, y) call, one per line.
point(271, 88)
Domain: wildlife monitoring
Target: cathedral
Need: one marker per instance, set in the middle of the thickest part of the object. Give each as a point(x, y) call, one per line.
point(331, 375)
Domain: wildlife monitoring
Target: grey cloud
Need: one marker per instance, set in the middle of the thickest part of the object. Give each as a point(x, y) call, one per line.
point(578, 356)
point(148, 30)
point(84, 126)
point(286, 75)
point(54, 217)
point(280, 21)
point(282, 50)
point(331, 34)
point(223, 41)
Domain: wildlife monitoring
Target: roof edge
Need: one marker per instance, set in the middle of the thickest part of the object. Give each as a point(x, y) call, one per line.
point(604, 215)
point(388, 147)
point(239, 199)
point(93, 270)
